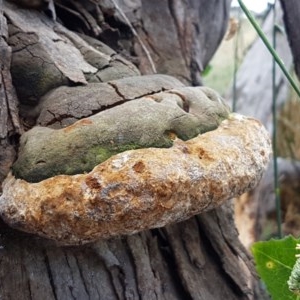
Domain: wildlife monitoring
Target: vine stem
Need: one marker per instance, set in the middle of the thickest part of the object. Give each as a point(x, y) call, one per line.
point(274, 134)
point(269, 47)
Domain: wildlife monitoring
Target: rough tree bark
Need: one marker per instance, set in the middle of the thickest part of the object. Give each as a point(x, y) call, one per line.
point(10, 127)
point(201, 258)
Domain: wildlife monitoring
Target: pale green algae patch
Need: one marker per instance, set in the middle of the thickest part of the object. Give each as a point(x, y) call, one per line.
point(142, 123)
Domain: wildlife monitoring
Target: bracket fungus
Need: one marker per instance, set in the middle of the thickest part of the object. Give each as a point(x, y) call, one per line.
point(146, 161)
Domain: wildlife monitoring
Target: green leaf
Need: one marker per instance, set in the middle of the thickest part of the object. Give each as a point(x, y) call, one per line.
point(275, 260)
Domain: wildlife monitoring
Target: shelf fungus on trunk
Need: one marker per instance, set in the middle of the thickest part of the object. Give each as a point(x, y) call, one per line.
point(154, 160)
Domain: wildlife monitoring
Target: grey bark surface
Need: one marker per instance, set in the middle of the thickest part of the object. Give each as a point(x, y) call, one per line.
point(192, 36)
point(201, 258)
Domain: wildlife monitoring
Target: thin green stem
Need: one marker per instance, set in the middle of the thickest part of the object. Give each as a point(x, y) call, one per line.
point(274, 137)
point(269, 46)
point(234, 88)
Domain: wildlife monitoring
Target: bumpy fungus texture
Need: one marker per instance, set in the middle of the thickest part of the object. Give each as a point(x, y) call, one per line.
point(154, 120)
point(141, 189)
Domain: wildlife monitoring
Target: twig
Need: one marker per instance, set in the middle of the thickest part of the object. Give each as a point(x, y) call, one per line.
point(136, 35)
point(269, 46)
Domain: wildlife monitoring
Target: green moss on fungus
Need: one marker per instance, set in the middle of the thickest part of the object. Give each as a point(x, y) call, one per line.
point(141, 123)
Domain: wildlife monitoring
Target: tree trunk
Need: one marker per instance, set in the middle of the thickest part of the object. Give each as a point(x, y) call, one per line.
point(291, 11)
point(201, 258)
point(10, 127)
